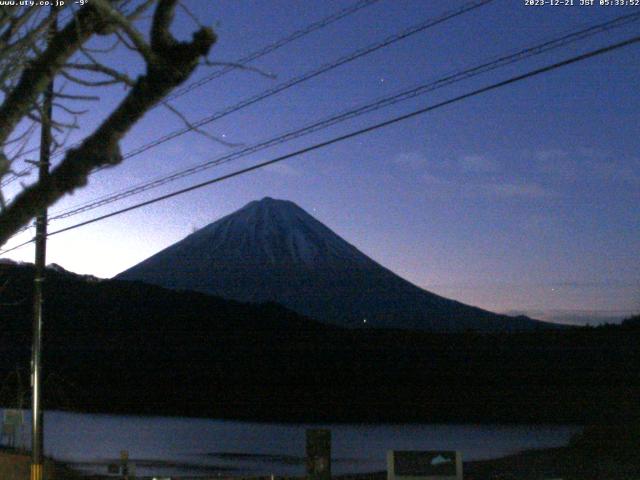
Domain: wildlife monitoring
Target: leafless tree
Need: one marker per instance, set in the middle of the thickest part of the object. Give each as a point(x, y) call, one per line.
point(32, 53)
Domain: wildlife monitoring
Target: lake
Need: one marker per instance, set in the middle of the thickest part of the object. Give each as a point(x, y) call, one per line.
point(165, 446)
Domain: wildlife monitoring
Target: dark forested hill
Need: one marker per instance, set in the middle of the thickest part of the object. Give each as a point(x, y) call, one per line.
point(116, 346)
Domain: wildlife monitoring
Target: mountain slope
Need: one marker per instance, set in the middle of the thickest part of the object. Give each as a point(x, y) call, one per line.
point(272, 250)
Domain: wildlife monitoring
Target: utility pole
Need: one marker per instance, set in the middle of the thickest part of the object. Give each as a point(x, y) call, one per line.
point(37, 470)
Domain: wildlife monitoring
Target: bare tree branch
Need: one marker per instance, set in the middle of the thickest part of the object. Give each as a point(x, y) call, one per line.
point(193, 128)
point(103, 69)
point(239, 66)
point(121, 21)
point(140, 9)
point(39, 73)
point(169, 63)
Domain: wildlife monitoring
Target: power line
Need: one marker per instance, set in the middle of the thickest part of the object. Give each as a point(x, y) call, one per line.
point(17, 246)
point(17, 175)
point(469, 6)
point(312, 27)
point(370, 107)
point(272, 47)
point(362, 131)
point(309, 75)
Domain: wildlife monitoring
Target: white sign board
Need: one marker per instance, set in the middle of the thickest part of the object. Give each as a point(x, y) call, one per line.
point(424, 465)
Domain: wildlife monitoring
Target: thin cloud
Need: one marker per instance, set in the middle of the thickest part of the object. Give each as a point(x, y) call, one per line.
point(518, 190)
point(584, 164)
point(576, 317)
point(616, 172)
point(438, 181)
point(410, 159)
point(551, 154)
point(477, 188)
point(439, 187)
point(284, 169)
point(478, 164)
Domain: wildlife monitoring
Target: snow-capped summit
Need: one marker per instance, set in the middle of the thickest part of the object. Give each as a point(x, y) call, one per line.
point(273, 250)
point(275, 232)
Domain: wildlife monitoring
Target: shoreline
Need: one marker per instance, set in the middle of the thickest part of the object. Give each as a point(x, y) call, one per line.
point(559, 462)
point(343, 420)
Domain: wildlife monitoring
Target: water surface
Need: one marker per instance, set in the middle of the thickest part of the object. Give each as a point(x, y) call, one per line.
point(203, 447)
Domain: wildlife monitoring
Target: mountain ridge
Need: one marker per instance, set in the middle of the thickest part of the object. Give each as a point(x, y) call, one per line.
point(273, 250)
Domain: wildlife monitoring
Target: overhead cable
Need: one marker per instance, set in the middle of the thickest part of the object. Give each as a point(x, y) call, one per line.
point(359, 132)
point(312, 27)
point(364, 109)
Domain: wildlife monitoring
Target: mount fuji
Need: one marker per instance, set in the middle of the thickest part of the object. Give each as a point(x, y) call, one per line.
point(273, 250)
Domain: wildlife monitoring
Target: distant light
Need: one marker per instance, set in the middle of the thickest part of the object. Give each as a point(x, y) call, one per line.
point(364, 320)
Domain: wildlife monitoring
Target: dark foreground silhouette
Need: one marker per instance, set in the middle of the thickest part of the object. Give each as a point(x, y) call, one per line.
point(127, 347)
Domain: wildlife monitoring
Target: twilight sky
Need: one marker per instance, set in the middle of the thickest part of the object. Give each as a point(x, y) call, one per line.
point(523, 199)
